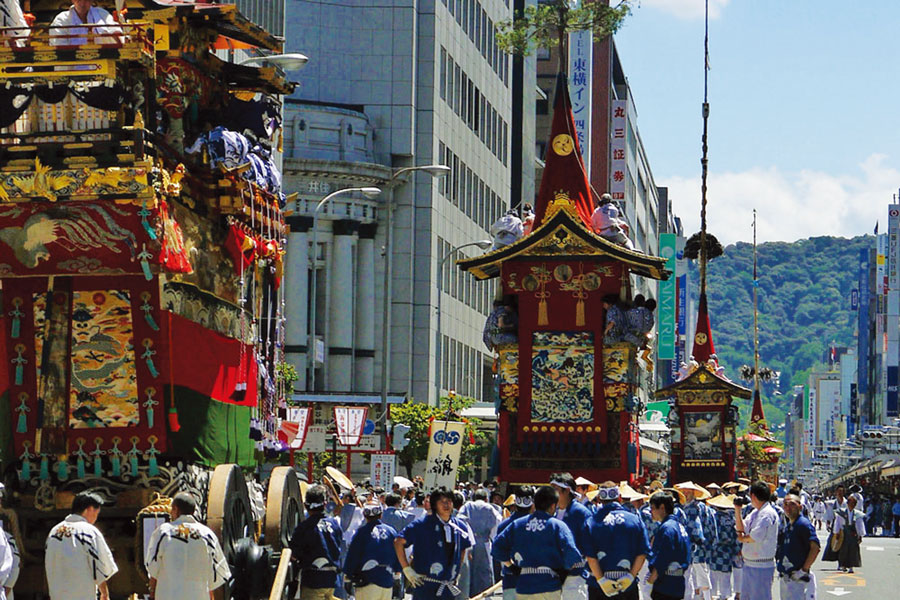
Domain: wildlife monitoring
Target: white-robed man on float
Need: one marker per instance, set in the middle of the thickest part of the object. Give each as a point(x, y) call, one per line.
point(77, 559)
point(63, 30)
point(184, 558)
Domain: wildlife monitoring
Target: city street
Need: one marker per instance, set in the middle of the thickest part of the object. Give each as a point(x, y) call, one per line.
point(877, 578)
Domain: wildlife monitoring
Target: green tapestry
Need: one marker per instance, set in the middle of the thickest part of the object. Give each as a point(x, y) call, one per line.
point(211, 432)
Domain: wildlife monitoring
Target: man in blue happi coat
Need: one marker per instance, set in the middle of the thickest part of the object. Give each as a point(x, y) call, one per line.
point(798, 546)
point(695, 508)
point(483, 519)
point(523, 500)
point(316, 546)
point(576, 515)
point(397, 518)
point(617, 547)
point(540, 550)
point(670, 553)
point(371, 561)
point(439, 542)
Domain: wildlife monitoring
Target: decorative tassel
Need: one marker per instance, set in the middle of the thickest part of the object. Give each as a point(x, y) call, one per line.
point(153, 470)
point(134, 465)
point(542, 313)
point(174, 425)
point(20, 363)
point(149, 403)
point(80, 456)
point(133, 456)
point(79, 465)
point(26, 461)
point(143, 214)
point(15, 328)
point(23, 410)
point(579, 313)
point(62, 469)
point(144, 257)
point(44, 474)
point(97, 453)
point(148, 357)
point(115, 457)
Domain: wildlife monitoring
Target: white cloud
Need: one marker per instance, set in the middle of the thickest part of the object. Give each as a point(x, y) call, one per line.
point(789, 205)
point(686, 9)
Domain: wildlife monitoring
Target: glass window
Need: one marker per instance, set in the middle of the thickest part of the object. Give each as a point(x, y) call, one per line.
point(443, 73)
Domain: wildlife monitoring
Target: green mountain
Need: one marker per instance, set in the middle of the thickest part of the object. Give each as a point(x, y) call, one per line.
point(804, 306)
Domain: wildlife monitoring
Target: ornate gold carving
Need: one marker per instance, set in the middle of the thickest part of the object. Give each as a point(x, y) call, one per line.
point(87, 54)
point(42, 183)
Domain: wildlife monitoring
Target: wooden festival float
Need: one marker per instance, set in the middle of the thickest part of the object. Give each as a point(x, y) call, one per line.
point(141, 318)
point(566, 399)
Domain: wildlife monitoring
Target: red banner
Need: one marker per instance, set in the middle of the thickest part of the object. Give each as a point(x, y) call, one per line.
point(350, 421)
point(293, 429)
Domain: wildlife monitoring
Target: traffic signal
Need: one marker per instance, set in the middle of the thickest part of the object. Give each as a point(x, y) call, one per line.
point(399, 440)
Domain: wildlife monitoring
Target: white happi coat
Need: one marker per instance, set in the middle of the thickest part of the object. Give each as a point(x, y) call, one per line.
point(96, 16)
point(9, 581)
point(186, 560)
point(77, 560)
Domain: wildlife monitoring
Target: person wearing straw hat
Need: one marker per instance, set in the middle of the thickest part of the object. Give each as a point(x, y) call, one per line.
point(759, 535)
point(798, 546)
point(670, 552)
point(540, 550)
point(523, 501)
point(722, 555)
point(316, 546)
point(440, 543)
point(617, 546)
point(576, 515)
point(371, 561)
point(695, 509)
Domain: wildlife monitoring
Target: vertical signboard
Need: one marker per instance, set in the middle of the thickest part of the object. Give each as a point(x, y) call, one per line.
point(862, 347)
point(667, 299)
point(444, 448)
point(581, 50)
point(382, 469)
point(618, 124)
point(893, 310)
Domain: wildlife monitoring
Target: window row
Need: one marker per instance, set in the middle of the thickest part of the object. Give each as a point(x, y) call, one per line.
point(465, 189)
point(465, 370)
point(466, 100)
point(482, 32)
point(477, 295)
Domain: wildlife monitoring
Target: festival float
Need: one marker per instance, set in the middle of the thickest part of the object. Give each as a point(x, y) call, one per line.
point(141, 321)
point(567, 399)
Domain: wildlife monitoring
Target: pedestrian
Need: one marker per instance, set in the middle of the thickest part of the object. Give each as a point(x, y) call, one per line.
point(832, 506)
point(371, 561)
point(798, 547)
point(617, 547)
point(184, 559)
point(483, 520)
point(523, 500)
point(397, 518)
point(670, 552)
point(852, 526)
point(895, 512)
point(540, 550)
point(316, 545)
point(694, 509)
point(576, 515)
point(759, 535)
point(439, 544)
point(8, 581)
point(818, 512)
point(77, 560)
point(722, 554)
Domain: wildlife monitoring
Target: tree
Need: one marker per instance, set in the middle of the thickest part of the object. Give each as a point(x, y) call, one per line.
point(418, 417)
point(549, 24)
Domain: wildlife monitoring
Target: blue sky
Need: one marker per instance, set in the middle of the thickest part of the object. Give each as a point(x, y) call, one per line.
point(805, 111)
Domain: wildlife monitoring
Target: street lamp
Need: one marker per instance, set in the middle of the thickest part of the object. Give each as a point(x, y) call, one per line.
point(289, 62)
point(369, 192)
point(484, 245)
point(436, 171)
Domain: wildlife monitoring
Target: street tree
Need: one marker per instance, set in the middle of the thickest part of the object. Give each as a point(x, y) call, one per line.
point(549, 24)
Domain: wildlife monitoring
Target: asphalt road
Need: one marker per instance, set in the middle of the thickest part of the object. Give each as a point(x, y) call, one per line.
point(879, 576)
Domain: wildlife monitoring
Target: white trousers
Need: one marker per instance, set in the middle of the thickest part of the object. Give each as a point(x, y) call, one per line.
point(721, 584)
point(737, 576)
point(644, 587)
point(373, 592)
point(575, 588)
point(696, 579)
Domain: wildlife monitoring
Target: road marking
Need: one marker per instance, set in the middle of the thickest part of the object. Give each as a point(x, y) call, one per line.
point(839, 592)
point(844, 579)
point(874, 548)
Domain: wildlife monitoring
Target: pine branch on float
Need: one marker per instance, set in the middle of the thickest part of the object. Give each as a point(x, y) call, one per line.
point(692, 247)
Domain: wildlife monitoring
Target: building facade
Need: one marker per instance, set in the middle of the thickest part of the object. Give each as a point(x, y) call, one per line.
point(389, 87)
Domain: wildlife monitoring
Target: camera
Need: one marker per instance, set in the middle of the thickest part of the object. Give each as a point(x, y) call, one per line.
point(741, 500)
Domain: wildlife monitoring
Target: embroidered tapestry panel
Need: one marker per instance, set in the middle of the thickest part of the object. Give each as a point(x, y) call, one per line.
point(562, 377)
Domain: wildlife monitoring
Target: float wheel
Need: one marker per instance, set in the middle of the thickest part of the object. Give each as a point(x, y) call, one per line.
point(284, 507)
point(228, 508)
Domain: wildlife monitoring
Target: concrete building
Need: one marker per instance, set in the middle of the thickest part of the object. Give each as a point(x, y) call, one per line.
point(391, 86)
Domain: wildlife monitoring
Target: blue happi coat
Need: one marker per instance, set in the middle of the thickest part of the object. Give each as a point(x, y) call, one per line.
point(538, 540)
point(510, 578)
point(616, 538)
point(316, 544)
point(576, 516)
point(371, 558)
point(483, 520)
point(431, 558)
point(708, 536)
point(670, 555)
point(722, 555)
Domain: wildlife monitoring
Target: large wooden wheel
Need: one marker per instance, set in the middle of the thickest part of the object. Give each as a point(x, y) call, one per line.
point(228, 508)
point(284, 507)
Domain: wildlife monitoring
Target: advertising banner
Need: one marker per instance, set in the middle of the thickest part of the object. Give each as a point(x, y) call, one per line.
point(666, 309)
point(617, 146)
point(383, 466)
point(444, 449)
point(580, 68)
